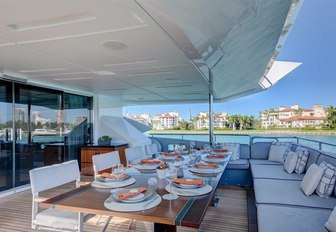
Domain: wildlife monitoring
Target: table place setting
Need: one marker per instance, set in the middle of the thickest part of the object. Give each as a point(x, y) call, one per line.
point(108, 180)
point(148, 165)
point(134, 199)
point(216, 158)
point(188, 187)
point(209, 168)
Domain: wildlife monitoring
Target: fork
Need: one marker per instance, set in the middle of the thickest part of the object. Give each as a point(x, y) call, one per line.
point(151, 201)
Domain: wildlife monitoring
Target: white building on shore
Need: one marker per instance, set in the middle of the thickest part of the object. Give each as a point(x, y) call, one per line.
point(293, 117)
point(202, 120)
point(167, 120)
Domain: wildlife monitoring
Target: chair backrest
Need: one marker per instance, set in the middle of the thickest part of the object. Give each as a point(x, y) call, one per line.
point(48, 177)
point(134, 154)
point(104, 161)
point(151, 149)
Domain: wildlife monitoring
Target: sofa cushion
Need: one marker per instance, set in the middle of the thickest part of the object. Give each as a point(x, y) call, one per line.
point(273, 172)
point(287, 192)
point(327, 183)
point(290, 162)
point(331, 223)
point(260, 150)
point(238, 164)
point(277, 218)
point(264, 162)
point(277, 152)
point(311, 179)
point(301, 163)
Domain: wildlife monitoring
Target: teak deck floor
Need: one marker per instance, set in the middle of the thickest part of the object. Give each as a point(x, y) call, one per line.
point(230, 214)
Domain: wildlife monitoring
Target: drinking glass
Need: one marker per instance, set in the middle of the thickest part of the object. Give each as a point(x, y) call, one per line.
point(171, 174)
point(192, 157)
point(118, 170)
point(192, 144)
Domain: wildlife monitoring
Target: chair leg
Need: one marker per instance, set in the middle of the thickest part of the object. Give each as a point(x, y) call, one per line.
point(131, 223)
point(106, 224)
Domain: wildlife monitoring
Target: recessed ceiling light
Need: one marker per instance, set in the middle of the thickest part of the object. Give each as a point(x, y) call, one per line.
point(52, 22)
point(73, 78)
point(149, 73)
point(104, 73)
point(42, 70)
point(131, 62)
point(172, 86)
point(114, 45)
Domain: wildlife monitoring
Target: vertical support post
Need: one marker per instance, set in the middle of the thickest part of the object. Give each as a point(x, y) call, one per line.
point(211, 128)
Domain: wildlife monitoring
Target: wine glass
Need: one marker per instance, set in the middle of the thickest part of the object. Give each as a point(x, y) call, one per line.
point(192, 144)
point(118, 170)
point(192, 156)
point(171, 174)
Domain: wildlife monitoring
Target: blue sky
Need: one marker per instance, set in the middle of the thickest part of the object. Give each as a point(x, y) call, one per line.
point(311, 41)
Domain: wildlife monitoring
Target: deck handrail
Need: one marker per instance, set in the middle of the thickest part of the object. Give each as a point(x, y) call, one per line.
point(252, 138)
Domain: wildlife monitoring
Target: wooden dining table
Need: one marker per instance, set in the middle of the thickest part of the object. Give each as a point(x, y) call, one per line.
point(186, 211)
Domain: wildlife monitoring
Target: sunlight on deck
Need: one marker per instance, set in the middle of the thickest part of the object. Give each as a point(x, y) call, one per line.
point(229, 215)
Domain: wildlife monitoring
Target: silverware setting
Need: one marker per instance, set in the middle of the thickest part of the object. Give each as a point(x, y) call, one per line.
point(151, 201)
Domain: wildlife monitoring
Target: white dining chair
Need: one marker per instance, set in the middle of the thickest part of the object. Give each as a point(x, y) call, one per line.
point(45, 178)
point(134, 154)
point(105, 161)
point(102, 162)
point(151, 149)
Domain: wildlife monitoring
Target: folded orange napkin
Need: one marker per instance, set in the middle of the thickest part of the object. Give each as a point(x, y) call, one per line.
point(120, 176)
point(189, 181)
point(150, 161)
point(124, 196)
point(170, 153)
point(216, 156)
point(221, 150)
point(212, 165)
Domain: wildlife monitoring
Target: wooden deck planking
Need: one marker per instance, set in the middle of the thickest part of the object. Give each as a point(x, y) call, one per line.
point(230, 214)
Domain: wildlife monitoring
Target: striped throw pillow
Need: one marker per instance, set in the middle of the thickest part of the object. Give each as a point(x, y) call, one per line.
point(327, 182)
point(301, 163)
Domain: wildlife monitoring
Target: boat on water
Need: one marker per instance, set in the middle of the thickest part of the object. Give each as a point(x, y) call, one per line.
point(43, 132)
point(87, 60)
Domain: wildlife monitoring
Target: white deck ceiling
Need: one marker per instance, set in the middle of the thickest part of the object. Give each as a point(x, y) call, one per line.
point(144, 51)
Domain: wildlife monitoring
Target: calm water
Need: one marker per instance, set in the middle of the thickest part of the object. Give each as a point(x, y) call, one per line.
point(245, 139)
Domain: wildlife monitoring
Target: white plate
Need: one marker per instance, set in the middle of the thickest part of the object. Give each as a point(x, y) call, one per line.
point(114, 184)
point(215, 160)
point(102, 179)
point(188, 186)
point(207, 170)
point(146, 167)
point(190, 192)
point(138, 198)
point(149, 203)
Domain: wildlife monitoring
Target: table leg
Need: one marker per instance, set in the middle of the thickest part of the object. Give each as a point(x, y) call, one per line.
point(80, 222)
point(158, 227)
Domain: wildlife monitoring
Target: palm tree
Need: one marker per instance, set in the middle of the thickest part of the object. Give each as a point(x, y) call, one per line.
point(331, 117)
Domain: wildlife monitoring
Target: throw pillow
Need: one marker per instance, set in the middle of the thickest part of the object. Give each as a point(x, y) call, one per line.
point(277, 153)
point(301, 163)
point(290, 162)
point(327, 183)
point(331, 223)
point(311, 179)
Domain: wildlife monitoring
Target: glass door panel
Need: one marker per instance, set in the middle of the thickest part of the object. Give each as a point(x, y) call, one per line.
point(77, 124)
point(39, 141)
point(6, 136)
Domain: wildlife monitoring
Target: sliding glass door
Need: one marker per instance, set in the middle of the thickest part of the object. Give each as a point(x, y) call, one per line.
point(37, 126)
point(6, 136)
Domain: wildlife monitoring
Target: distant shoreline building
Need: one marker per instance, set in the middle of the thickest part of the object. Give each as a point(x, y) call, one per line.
point(293, 117)
point(202, 120)
point(167, 120)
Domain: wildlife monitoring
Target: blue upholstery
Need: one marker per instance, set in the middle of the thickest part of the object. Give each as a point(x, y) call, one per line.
point(276, 218)
point(273, 172)
point(260, 150)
